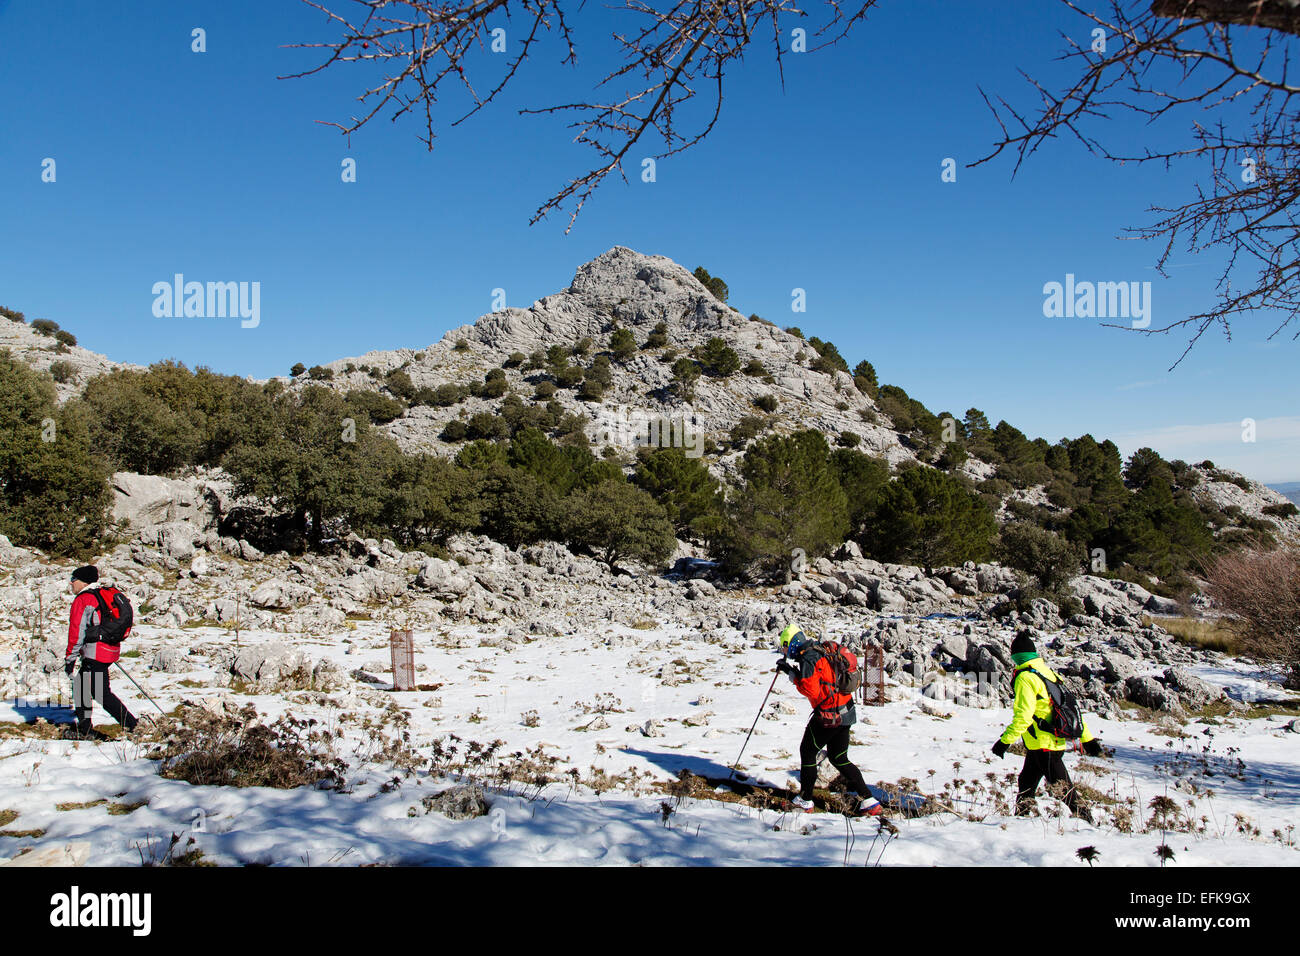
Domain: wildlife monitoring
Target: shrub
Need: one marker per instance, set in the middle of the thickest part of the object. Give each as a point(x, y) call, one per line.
point(849, 439)
point(64, 337)
point(1261, 590)
point(623, 344)
point(400, 384)
point(13, 315)
point(795, 331)
point(571, 376)
point(298, 369)
point(461, 346)
point(1047, 556)
point(380, 409)
point(62, 372)
point(485, 425)
point(319, 373)
point(455, 431)
point(45, 326)
point(494, 384)
point(766, 402)
point(237, 750)
point(514, 360)
point(544, 390)
point(828, 359)
point(718, 358)
point(1286, 510)
point(658, 337)
point(749, 426)
point(755, 368)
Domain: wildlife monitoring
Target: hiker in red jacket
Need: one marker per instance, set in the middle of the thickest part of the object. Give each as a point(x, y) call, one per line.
point(832, 717)
point(91, 682)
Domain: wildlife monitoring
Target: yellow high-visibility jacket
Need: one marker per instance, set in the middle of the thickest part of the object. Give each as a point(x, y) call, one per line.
point(1031, 703)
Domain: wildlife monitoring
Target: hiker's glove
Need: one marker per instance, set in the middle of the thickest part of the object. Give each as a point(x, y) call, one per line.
point(785, 667)
point(1093, 748)
point(999, 749)
point(69, 665)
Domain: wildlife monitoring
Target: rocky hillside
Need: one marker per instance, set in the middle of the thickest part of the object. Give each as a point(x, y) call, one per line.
point(637, 292)
point(43, 351)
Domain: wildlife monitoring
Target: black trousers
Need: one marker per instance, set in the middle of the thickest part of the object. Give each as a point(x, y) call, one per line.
point(835, 741)
point(1040, 764)
point(92, 685)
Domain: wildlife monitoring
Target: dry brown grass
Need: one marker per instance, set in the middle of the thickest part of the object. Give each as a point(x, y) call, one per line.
point(1209, 635)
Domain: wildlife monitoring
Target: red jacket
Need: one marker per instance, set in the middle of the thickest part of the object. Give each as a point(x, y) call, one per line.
point(85, 613)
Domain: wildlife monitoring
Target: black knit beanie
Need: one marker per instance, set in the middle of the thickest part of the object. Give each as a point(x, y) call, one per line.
point(87, 575)
point(1023, 644)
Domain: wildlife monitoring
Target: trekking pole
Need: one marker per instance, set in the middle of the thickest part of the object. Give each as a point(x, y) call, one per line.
point(755, 724)
point(138, 687)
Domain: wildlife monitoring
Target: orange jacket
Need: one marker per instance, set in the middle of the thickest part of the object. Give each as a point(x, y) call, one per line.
point(816, 680)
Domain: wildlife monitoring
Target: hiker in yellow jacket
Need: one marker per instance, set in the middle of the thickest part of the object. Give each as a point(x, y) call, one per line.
point(1043, 749)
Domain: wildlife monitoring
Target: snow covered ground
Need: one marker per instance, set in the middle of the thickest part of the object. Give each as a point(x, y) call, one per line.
point(640, 705)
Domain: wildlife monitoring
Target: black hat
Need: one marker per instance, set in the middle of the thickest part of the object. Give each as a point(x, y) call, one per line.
point(87, 575)
point(1023, 644)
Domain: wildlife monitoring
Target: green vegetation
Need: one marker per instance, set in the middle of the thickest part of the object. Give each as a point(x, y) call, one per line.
point(54, 492)
point(790, 500)
point(715, 285)
point(928, 517)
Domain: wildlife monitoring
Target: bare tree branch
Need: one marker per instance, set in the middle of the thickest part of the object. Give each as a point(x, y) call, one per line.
point(1228, 61)
point(671, 52)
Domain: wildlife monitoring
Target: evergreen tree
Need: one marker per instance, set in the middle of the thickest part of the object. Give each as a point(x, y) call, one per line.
point(617, 520)
point(716, 286)
point(861, 477)
point(790, 500)
point(682, 486)
point(622, 344)
point(54, 492)
point(1037, 551)
point(717, 358)
point(928, 517)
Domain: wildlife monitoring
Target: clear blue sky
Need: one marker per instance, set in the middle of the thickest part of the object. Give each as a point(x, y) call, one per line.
point(207, 164)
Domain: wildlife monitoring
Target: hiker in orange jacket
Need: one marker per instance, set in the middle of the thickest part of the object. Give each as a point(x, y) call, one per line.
point(832, 717)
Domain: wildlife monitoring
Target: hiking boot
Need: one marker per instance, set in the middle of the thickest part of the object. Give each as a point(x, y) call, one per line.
point(870, 807)
point(806, 806)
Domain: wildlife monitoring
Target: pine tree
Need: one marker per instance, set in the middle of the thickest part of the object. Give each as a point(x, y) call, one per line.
point(790, 500)
point(928, 517)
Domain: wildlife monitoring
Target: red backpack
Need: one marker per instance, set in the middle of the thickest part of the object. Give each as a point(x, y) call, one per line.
point(844, 665)
point(115, 617)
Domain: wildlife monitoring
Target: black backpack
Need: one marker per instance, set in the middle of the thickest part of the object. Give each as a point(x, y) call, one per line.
point(1066, 719)
point(115, 617)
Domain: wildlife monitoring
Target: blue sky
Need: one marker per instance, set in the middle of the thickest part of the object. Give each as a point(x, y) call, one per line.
point(207, 164)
